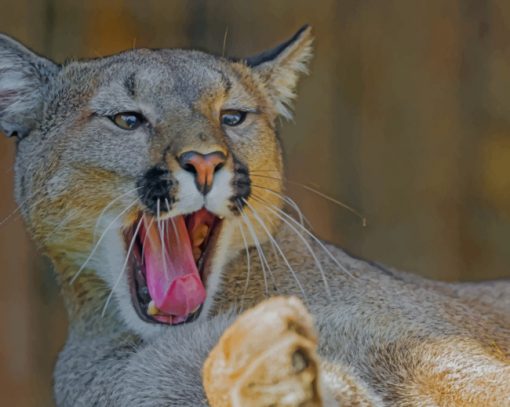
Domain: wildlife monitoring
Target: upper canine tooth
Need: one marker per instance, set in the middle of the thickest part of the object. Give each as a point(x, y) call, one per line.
point(199, 234)
point(196, 253)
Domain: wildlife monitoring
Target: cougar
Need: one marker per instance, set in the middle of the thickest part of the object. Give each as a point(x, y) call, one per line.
point(153, 180)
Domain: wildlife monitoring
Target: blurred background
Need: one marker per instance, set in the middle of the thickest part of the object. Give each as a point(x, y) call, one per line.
point(405, 117)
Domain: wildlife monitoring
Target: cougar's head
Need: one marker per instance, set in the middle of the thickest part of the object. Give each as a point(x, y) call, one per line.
point(142, 173)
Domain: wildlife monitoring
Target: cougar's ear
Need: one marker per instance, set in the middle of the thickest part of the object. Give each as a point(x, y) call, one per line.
point(281, 67)
point(24, 82)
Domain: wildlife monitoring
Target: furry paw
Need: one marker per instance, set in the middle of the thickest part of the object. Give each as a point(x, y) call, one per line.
point(266, 358)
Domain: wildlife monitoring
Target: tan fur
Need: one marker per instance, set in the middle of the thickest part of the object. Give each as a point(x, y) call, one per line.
point(384, 338)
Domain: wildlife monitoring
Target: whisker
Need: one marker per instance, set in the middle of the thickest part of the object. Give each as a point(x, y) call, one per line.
point(263, 175)
point(310, 249)
point(131, 244)
point(248, 265)
point(323, 247)
point(269, 269)
point(225, 36)
point(272, 239)
point(175, 232)
point(100, 240)
point(147, 232)
point(109, 205)
point(288, 200)
point(16, 212)
point(335, 201)
point(302, 218)
point(257, 171)
point(161, 237)
point(173, 223)
point(263, 260)
point(63, 221)
point(275, 252)
point(23, 203)
point(319, 193)
point(165, 236)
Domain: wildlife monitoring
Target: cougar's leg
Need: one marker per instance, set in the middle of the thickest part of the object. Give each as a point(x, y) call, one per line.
point(266, 358)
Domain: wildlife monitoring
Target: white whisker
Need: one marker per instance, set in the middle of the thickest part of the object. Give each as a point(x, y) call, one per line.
point(310, 249)
point(289, 201)
point(262, 257)
point(323, 247)
point(277, 246)
point(60, 224)
point(173, 224)
point(100, 240)
point(316, 192)
point(131, 244)
point(162, 238)
point(248, 265)
point(147, 232)
point(23, 203)
point(109, 205)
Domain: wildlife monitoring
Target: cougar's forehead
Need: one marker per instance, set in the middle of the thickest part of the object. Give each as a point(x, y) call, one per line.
point(167, 80)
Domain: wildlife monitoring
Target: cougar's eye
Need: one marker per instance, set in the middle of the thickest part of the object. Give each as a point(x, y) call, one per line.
point(128, 120)
point(232, 117)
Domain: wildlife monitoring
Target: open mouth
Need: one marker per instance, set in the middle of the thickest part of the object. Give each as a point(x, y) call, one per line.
point(171, 261)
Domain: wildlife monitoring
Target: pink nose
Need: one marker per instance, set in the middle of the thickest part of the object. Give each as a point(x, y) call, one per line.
point(203, 166)
point(185, 295)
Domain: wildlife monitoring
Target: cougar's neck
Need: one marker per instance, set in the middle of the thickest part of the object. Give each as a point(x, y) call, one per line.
point(84, 294)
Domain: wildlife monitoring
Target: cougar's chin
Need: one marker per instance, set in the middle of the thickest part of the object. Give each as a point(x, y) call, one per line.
point(169, 265)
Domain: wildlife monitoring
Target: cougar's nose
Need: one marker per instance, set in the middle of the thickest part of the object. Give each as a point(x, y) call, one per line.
point(203, 166)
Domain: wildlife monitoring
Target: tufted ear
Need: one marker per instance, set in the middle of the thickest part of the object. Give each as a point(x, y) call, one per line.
point(24, 82)
point(281, 67)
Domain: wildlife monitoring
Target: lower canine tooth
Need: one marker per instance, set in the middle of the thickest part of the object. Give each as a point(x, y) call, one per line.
point(152, 309)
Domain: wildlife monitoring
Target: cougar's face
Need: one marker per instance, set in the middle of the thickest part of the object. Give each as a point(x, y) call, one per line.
point(144, 171)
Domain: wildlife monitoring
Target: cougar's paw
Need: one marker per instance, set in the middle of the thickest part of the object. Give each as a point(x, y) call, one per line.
point(266, 358)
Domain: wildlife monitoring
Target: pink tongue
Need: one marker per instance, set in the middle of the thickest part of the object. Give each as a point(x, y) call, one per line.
point(172, 276)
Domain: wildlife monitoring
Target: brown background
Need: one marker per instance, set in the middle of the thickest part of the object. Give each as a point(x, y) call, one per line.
point(406, 117)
